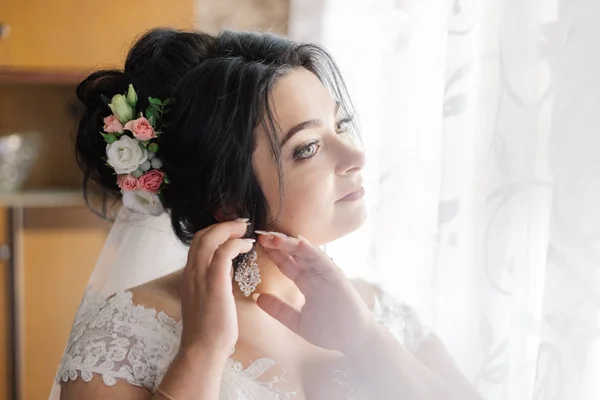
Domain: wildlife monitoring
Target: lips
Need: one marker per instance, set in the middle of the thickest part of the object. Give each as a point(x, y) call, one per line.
point(354, 195)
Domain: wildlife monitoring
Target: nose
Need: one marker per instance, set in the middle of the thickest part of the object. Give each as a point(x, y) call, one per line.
point(351, 159)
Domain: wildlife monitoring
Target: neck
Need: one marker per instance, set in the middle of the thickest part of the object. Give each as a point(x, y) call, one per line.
point(272, 281)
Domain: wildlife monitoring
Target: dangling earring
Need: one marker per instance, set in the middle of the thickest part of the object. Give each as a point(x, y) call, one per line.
point(247, 274)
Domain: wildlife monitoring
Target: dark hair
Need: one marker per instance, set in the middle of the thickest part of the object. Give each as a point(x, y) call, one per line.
point(221, 86)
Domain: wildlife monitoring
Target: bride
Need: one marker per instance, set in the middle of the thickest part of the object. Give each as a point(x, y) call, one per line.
point(243, 147)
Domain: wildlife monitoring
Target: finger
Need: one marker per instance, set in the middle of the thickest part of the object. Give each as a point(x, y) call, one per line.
point(215, 235)
point(307, 257)
point(207, 241)
point(280, 310)
point(298, 248)
point(191, 269)
point(305, 278)
point(222, 261)
point(286, 263)
point(190, 266)
point(198, 237)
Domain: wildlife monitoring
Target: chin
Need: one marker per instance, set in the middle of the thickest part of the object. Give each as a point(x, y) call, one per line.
point(350, 222)
point(357, 219)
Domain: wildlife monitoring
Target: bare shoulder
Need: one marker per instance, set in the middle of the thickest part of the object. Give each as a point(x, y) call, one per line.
point(161, 294)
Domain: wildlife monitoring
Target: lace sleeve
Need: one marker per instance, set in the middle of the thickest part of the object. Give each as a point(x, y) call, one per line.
point(401, 320)
point(119, 340)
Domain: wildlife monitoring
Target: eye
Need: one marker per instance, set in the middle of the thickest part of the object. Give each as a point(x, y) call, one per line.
point(342, 125)
point(307, 151)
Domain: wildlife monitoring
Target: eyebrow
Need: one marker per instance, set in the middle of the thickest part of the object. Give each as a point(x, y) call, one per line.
point(310, 124)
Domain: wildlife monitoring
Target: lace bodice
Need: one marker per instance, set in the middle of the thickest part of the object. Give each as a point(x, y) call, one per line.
point(116, 339)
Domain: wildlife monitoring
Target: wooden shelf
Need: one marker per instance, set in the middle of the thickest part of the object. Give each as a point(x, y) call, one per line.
point(12, 76)
point(42, 198)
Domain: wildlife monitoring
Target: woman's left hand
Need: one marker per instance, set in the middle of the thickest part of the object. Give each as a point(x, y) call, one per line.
point(334, 316)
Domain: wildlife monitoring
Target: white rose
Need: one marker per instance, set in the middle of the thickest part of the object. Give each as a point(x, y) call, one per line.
point(125, 155)
point(143, 202)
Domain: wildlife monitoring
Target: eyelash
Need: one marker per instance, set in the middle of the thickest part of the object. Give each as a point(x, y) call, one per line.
point(344, 121)
point(298, 152)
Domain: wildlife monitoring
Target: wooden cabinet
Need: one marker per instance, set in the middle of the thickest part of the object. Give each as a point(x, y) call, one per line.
point(82, 34)
point(59, 248)
point(54, 242)
point(5, 317)
point(53, 251)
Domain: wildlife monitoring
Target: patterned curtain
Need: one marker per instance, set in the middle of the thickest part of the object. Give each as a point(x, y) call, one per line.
point(481, 123)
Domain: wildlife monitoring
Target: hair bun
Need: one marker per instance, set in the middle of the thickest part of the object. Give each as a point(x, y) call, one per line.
point(107, 83)
point(154, 65)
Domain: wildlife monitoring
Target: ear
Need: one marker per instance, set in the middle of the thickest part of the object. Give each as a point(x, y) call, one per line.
point(225, 214)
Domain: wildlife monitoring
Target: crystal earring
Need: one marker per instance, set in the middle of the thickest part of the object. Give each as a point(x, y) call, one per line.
point(247, 274)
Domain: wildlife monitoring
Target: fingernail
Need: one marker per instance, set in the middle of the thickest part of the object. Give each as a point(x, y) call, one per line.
point(282, 235)
point(255, 296)
point(263, 233)
point(242, 220)
point(303, 239)
point(250, 240)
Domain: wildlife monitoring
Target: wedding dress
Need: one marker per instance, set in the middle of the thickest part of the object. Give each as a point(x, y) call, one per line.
point(116, 339)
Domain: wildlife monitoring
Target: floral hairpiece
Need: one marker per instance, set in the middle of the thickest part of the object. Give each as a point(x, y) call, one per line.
point(131, 150)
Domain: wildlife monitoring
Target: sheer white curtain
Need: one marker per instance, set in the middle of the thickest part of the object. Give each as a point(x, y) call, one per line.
point(481, 125)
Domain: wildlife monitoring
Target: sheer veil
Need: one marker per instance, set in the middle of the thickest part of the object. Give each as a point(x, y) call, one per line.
point(138, 249)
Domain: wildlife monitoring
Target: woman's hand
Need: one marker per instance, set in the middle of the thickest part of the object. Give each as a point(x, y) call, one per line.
point(208, 309)
point(334, 315)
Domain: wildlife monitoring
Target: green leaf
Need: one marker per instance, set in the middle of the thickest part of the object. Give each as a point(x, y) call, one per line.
point(150, 112)
point(167, 180)
point(169, 101)
point(154, 101)
point(142, 145)
point(152, 120)
point(157, 109)
point(109, 137)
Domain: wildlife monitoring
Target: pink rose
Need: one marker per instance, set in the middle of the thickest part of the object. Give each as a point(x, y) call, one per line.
point(112, 125)
point(151, 181)
point(141, 128)
point(127, 182)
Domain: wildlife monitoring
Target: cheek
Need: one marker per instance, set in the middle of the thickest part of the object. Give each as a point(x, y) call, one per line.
point(309, 198)
point(304, 194)
point(309, 194)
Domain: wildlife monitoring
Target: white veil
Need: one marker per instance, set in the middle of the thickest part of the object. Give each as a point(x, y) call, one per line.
point(138, 249)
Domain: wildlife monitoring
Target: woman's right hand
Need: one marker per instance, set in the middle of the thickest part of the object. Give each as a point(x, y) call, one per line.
point(208, 309)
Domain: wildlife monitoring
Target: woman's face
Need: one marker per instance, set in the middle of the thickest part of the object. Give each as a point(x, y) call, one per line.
point(321, 163)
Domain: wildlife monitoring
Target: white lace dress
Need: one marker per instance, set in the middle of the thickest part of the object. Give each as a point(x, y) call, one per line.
point(117, 339)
